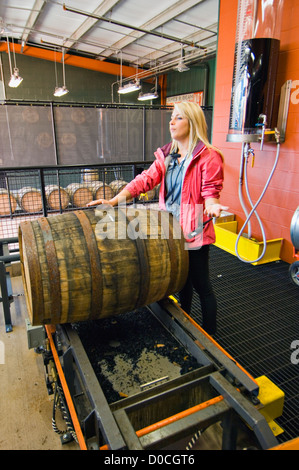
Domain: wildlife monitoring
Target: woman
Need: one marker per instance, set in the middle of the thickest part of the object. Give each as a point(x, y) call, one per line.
point(190, 171)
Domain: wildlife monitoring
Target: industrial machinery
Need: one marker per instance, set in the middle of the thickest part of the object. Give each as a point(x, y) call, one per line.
point(6, 257)
point(152, 379)
point(294, 267)
point(252, 117)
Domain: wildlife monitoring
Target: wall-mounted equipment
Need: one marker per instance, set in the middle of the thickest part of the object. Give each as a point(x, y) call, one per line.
point(294, 231)
point(252, 117)
point(255, 66)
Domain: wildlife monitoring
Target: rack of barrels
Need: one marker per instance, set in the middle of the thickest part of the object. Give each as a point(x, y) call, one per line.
point(75, 195)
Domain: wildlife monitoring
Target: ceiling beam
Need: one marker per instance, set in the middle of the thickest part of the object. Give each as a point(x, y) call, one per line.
point(141, 28)
point(101, 10)
point(167, 52)
point(36, 9)
point(159, 20)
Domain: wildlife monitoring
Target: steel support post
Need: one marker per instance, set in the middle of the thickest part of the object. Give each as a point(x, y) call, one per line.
point(246, 410)
point(6, 299)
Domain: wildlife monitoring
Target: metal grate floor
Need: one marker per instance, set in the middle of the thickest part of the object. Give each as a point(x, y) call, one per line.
point(258, 319)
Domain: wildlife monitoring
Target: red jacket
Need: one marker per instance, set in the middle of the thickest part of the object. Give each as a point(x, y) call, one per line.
point(203, 179)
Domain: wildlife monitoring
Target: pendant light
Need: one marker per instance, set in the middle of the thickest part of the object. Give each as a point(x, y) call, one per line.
point(15, 78)
point(152, 95)
point(60, 90)
point(181, 67)
point(128, 87)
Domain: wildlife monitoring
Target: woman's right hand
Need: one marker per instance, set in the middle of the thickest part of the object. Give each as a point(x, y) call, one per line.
point(97, 202)
point(121, 197)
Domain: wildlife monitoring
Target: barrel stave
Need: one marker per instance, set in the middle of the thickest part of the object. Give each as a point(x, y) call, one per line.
point(85, 265)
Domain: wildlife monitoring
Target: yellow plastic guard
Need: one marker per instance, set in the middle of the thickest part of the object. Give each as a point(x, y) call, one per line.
point(226, 237)
point(272, 401)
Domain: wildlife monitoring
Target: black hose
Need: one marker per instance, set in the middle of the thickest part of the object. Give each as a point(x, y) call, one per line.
point(60, 402)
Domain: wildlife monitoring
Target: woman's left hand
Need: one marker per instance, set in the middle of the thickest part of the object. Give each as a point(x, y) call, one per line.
point(214, 210)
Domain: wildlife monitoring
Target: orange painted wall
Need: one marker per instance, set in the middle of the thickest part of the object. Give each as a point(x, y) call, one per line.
point(282, 197)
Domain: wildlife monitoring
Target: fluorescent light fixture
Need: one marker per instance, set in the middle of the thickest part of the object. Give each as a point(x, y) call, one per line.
point(147, 96)
point(152, 95)
point(129, 87)
point(60, 91)
point(15, 79)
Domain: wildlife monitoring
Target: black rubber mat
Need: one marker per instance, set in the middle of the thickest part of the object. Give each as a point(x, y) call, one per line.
point(258, 320)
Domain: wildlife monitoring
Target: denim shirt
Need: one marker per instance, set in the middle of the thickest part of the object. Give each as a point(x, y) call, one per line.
point(174, 179)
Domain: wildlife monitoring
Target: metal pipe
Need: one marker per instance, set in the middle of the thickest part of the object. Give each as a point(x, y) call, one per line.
point(144, 134)
point(178, 416)
point(172, 419)
point(54, 133)
point(161, 68)
point(253, 210)
point(43, 194)
point(205, 86)
point(9, 258)
point(141, 30)
point(244, 155)
point(9, 240)
point(2, 79)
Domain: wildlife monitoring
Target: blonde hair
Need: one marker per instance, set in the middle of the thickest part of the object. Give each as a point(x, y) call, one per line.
point(198, 129)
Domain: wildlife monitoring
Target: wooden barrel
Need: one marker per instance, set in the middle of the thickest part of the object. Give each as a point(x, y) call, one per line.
point(57, 197)
point(30, 199)
point(101, 190)
point(8, 203)
point(117, 186)
point(91, 264)
point(90, 174)
point(80, 194)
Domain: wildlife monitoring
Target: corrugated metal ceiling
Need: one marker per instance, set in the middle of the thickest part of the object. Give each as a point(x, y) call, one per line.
point(153, 35)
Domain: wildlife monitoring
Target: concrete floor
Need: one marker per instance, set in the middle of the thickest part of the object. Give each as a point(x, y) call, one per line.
point(25, 406)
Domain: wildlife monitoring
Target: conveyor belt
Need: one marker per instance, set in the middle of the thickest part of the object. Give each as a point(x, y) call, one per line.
point(214, 388)
point(214, 381)
point(257, 322)
point(129, 352)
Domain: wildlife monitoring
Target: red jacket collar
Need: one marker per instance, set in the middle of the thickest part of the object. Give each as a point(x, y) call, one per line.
point(198, 148)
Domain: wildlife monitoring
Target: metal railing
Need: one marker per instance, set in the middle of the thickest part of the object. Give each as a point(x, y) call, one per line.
point(30, 192)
